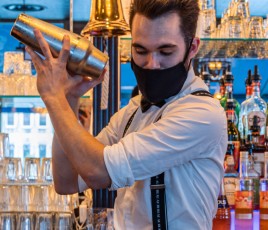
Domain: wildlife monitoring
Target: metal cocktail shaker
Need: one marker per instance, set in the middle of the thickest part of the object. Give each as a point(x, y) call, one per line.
point(85, 59)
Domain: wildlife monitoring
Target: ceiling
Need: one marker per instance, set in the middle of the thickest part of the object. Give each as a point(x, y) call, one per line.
point(53, 9)
point(60, 9)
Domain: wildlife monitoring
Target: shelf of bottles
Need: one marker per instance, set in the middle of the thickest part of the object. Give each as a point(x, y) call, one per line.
point(244, 187)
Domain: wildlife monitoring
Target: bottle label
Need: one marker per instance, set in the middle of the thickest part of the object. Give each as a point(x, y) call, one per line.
point(230, 160)
point(222, 202)
point(263, 199)
point(261, 118)
point(236, 152)
point(261, 122)
point(229, 186)
point(243, 199)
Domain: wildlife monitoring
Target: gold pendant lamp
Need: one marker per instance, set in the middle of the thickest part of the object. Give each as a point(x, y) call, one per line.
point(106, 19)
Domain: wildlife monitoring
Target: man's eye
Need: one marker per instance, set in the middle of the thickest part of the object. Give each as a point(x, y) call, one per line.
point(141, 51)
point(166, 53)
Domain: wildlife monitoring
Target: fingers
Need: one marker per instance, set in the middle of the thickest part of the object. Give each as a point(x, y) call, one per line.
point(65, 51)
point(43, 45)
point(37, 61)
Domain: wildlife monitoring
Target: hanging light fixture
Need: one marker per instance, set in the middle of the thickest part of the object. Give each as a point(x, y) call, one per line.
point(106, 18)
point(24, 7)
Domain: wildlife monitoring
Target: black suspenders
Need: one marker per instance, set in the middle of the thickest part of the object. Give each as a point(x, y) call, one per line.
point(158, 196)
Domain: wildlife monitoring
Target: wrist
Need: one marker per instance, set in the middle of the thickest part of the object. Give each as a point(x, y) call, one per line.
point(74, 103)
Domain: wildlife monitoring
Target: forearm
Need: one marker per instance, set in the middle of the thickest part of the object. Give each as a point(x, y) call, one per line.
point(83, 152)
point(65, 178)
point(64, 175)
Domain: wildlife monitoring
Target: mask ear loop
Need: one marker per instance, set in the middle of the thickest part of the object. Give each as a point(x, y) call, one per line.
point(187, 53)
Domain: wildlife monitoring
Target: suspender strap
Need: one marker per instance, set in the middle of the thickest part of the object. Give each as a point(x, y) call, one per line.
point(158, 199)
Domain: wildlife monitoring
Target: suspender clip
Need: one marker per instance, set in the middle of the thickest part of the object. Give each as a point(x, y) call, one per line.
point(158, 186)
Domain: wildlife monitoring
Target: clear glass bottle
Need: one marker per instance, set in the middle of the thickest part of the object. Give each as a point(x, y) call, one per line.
point(244, 190)
point(230, 178)
point(255, 106)
point(264, 196)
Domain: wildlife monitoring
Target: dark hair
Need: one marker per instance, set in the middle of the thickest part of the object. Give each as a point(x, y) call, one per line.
point(188, 11)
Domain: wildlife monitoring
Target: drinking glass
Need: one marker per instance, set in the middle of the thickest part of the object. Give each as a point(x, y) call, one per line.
point(25, 221)
point(11, 61)
point(7, 221)
point(5, 197)
point(110, 219)
point(23, 72)
point(241, 9)
point(63, 203)
point(29, 200)
point(32, 169)
point(206, 4)
point(46, 169)
point(236, 27)
point(207, 23)
point(12, 169)
point(63, 221)
point(256, 27)
point(4, 145)
point(46, 198)
point(44, 221)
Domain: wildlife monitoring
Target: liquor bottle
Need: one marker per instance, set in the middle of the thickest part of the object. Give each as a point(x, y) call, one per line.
point(228, 83)
point(205, 75)
point(222, 219)
point(259, 149)
point(233, 133)
point(248, 84)
point(229, 152)
point(264, 196)
point(222, 87)
point(244, 190)
point(254, 175)
point(230, 177)
point(255, 106)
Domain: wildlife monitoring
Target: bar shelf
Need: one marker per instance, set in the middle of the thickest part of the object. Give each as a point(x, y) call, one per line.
point(215, 48)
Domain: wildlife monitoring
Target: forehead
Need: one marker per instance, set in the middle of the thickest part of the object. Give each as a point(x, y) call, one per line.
point(156, 32)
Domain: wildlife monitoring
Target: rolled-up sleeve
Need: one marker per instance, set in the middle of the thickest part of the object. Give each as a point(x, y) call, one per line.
point(118, 165)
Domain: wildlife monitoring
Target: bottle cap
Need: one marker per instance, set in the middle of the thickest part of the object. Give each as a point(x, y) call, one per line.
point(256, 76)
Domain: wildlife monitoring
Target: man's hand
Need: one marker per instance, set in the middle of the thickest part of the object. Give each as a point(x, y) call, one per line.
point(53, 79)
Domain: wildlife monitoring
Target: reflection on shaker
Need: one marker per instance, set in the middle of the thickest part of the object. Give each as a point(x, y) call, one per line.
point(85, 59)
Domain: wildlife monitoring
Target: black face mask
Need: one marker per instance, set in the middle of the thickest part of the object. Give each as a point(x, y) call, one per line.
point(156, 85)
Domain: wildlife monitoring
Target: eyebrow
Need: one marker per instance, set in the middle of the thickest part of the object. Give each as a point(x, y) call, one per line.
point(136, 45)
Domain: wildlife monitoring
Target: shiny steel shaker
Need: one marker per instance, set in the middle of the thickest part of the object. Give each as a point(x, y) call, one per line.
point(85, 59)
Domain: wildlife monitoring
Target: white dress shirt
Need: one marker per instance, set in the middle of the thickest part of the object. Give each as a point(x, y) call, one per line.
point(188, 143)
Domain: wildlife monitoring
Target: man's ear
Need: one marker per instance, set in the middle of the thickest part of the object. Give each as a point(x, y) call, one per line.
point(194, 48)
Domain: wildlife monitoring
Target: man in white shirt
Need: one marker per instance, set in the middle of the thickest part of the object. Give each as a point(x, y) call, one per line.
point(165, 129)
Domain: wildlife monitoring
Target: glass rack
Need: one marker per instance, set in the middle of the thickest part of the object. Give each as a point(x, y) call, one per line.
point(215, 48)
